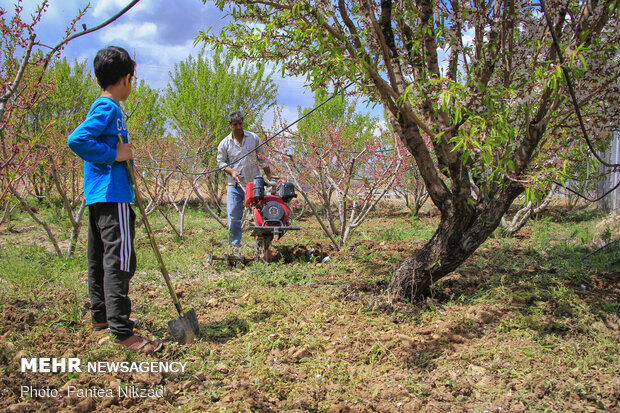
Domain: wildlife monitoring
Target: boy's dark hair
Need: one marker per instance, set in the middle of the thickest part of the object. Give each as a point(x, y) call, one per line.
point(111, 64)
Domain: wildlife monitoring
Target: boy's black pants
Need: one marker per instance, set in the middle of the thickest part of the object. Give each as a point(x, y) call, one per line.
point(111, 264)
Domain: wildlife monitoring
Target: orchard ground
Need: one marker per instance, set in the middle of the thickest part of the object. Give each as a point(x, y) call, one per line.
point(529, 323)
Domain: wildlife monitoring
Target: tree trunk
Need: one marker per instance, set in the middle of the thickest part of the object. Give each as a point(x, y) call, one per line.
point(75, 229)
point(466, 222)
point(205, 203)
point(451, 244)
point(212, 189)
point(38, 220)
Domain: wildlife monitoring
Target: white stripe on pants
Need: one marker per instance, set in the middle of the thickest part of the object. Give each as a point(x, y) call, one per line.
point(125, 253)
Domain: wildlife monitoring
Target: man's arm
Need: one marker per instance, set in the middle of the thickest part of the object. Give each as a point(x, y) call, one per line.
point(234, 174)
point(124, 151)
point(222, 160)
point(267, 171)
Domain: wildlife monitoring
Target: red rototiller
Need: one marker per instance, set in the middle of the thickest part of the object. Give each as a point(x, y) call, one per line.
point(269, 214)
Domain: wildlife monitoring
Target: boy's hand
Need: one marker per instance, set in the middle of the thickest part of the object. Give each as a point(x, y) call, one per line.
point(124, 151)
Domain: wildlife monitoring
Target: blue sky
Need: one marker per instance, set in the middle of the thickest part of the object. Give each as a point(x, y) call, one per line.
point(159, 33)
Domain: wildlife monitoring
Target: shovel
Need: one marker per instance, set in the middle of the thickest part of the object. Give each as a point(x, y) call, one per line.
point(185, 327)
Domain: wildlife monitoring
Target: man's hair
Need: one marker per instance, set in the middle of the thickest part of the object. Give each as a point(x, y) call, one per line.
point(111, 65)
point(235, 116)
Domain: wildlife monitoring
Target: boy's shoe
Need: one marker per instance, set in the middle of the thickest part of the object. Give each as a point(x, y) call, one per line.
point(140, 344)
point(104, 325)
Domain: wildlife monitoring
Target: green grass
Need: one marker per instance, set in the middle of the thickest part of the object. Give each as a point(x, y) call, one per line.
point(277, 274)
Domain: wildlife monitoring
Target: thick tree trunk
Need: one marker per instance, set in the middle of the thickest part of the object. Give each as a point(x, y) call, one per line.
point(455, 239)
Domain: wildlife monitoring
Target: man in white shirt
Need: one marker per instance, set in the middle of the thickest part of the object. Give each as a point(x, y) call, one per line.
point(241, 169)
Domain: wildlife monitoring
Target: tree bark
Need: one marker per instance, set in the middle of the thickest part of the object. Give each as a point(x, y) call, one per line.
point(455, 239)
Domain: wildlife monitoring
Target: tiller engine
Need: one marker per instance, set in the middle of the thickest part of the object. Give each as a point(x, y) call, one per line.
point(270, 213)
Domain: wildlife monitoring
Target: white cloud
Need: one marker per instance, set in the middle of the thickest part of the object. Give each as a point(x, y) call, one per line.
point(254, 25)
point(140, 33)
point(468, 37)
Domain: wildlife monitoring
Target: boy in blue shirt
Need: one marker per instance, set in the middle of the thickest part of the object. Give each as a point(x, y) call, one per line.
point(109, 194)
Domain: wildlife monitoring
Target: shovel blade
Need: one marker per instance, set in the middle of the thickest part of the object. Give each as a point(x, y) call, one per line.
point(185, 328)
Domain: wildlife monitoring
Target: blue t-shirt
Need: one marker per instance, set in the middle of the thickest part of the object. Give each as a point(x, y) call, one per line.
point(95, 140)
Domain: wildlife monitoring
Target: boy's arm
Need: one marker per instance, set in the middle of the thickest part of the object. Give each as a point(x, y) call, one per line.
point(83, 140)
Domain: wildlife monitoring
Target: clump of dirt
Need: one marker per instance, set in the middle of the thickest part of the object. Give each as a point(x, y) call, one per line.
point(606, 232)
point(300, 253)
point(609, 281)
point(18, 317)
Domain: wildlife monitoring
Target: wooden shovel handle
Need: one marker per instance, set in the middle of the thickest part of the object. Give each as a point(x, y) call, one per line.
point(162, 267)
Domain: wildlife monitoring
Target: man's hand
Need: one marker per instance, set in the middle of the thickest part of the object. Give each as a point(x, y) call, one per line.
point(124, 151)
point(270, 176)
point(235, 175)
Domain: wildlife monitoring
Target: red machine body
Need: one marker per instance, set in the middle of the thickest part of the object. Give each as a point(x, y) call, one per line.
point(270, 215)
point(268, 211)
